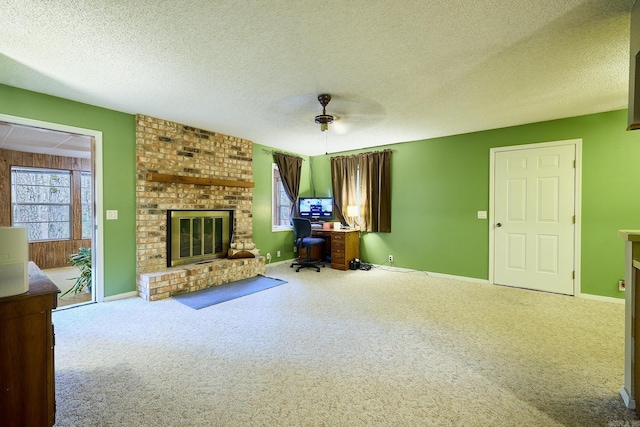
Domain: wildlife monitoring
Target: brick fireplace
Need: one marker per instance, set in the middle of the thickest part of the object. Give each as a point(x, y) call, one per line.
point(180, 167)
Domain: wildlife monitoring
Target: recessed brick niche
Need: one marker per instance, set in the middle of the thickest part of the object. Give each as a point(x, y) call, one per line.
point(168, 148)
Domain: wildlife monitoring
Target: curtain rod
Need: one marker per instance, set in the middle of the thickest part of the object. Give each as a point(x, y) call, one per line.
point(274, 152)
point(304, 160)
point(362, 152)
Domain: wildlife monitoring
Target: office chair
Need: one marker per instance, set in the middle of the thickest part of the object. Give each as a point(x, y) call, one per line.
point(302, 238)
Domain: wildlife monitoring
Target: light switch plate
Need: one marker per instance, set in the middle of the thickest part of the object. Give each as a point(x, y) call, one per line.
point(112, 214)
point(482, 214)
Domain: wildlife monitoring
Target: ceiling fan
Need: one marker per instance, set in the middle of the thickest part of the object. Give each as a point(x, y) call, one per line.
point(348, 112)
point(324, 119)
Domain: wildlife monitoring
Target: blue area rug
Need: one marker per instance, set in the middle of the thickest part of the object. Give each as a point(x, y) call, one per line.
point(221, 293)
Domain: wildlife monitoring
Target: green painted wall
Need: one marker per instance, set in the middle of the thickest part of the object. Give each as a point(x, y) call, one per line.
point(439, 184)
point(118, 155)
point(265, 239)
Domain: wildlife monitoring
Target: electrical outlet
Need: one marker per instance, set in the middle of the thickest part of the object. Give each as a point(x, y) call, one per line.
point(390, 258)
point(268, 256)
point(622, 286)
point(278, 254)
point(295, 249)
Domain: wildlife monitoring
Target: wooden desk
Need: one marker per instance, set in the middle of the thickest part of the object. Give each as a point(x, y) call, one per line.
point(27, 388)
point(341, 245)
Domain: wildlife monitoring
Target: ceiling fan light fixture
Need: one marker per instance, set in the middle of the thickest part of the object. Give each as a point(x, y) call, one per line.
point(324, 119)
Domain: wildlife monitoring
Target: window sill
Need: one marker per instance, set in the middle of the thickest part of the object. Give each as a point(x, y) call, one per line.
point(281, 228)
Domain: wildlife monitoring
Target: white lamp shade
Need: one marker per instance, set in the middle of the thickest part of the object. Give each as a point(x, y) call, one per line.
point(352, 211)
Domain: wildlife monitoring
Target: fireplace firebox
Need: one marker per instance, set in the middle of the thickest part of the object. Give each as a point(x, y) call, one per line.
point(197, 235)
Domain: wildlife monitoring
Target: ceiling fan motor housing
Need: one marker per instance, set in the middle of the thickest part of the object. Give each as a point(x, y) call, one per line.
point(324, 119)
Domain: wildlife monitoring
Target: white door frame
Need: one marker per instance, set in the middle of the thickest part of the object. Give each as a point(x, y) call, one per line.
point(578, 201)
point(98, 244)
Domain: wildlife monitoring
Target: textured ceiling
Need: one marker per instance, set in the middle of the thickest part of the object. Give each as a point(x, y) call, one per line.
point(398, 70)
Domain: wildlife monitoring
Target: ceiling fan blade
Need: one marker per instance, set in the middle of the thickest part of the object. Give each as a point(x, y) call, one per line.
point(340, 126)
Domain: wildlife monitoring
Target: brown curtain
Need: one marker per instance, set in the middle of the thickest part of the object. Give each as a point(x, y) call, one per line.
point(344, 171)
point(375, 188)
point(375, 191)
point(290, 170)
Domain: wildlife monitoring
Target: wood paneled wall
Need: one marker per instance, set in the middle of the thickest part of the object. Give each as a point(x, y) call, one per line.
point(52, 253)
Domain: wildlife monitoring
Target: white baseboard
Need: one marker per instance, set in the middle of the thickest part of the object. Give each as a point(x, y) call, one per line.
point(116, 297)
point(463, 278)
point(273, 264)
point(430, 273)
point(628, 401)
point(601, 298)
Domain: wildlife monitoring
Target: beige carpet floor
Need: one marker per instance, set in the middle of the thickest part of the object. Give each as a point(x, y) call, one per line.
point(355, 348)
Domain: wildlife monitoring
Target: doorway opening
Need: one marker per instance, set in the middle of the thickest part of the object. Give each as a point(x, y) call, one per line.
point(60, 196)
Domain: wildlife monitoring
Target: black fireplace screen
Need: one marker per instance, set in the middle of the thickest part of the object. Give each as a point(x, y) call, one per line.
point(196, 236)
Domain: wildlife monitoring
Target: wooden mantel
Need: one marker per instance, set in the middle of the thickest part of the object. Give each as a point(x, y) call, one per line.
point(181, 179)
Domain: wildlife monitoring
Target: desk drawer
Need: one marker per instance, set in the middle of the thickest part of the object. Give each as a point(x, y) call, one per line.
point(337, 244)
point(337, 255)
point(337, 241)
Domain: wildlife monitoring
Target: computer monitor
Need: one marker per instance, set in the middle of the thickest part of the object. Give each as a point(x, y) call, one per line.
point(316, 208)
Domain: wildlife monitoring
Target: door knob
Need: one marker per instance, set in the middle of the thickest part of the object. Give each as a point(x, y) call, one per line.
point(499, 224)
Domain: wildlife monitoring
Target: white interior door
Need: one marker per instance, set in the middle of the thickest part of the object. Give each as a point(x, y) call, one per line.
point(534, 218)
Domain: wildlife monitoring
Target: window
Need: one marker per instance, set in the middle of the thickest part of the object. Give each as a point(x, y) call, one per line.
point(356, 218)
point(369, 173)
point(281, 215)
point(85, 200)
point(41, 201)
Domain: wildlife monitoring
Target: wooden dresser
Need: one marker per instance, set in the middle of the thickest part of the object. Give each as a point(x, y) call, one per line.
point(342, 245)
point(27, 387)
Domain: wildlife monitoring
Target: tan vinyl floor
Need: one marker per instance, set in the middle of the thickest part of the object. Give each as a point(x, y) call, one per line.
point(64, 277)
